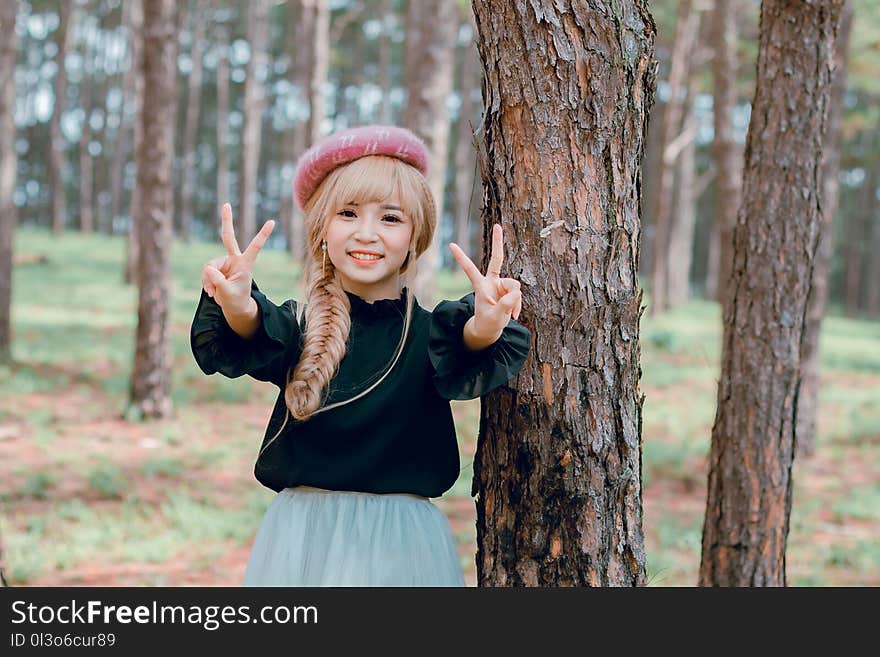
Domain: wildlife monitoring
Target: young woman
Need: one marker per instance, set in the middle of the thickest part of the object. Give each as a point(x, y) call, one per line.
point(361, 436)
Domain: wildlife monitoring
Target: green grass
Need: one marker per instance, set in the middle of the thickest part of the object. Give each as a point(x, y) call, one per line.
point(191, 495)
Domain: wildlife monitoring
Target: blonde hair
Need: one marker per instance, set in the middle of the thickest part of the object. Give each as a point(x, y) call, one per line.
point(327, 311)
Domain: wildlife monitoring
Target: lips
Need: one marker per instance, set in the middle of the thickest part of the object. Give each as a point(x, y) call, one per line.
point(365, 256)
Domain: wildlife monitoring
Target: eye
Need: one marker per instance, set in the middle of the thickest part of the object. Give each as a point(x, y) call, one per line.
point(343, 213)
point(392, 218)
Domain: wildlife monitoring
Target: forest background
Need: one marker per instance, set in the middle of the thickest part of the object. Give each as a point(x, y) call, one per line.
point(92, 495)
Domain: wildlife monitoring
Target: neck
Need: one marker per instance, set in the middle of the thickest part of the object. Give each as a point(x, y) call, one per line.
point(371, 293)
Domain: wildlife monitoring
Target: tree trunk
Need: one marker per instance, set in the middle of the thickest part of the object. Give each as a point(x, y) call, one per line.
point(774, 244)
point(86, 205)
point(872, 303)
point(258, 27)
point(56, 140)
point(430, 56)
point(685, 36)
point(8, 171)
point(132, 253)
point(222, 121)
point(557, 472)
point(150, 387)
point(384, 11)
point(312, 66)
point(190, 163)
point(726, 154)
point(131, 19)
point(859, 234)
point(808, 399)
point(465, 154)
point(291, 141)
point(681, 236)
point(102, 166)
point(316, 15)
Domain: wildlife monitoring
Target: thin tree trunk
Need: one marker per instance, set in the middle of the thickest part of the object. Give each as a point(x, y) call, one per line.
point(56, 140)
point(8, 172)
point(465, 155)
point(808, 399)
point(222, 120)
point(681, 236)
point(775, 239)
point(872, 303)
point(102, 167)
point(132, 270)
point(726, 154)
point(430, 57)
point(557, 472)
point(319, 21)
point(312, 66)
point(384, 11)
point(860, 229)
point(150, 387)
point(258, 26)
point(131, 17)
point(188, 175)
point(86, 205)
point(685, 36)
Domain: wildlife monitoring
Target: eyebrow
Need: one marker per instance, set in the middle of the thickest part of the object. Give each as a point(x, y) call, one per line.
point(384, 207)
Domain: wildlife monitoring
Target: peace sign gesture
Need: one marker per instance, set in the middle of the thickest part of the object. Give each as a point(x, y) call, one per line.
point(227, 279)
point(496, 299)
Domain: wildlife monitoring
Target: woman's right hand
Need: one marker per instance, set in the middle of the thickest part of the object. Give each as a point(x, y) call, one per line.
point(227, 279)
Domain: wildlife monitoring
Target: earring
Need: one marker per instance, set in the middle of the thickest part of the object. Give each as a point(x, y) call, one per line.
point(324, 258)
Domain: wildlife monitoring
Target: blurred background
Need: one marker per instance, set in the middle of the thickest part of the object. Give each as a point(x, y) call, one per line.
point(94, 493)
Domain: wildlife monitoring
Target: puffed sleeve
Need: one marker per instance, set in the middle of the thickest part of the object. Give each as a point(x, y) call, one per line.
point(463, 374)
point(265, 356)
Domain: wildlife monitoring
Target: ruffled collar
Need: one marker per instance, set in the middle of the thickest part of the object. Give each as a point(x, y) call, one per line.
point(379, 307)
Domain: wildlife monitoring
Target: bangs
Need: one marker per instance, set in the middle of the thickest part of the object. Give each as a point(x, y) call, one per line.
point(373, 179)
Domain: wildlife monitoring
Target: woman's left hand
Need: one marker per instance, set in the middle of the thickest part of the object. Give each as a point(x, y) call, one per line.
point(496, 299)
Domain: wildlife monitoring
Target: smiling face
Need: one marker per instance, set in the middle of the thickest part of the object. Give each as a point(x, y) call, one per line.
point(374, 212)
point(368, 244)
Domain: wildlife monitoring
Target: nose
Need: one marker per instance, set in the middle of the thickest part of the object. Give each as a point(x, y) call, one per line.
point(366, 229)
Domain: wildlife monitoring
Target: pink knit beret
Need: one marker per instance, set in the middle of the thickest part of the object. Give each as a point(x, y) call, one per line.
point(348, 145)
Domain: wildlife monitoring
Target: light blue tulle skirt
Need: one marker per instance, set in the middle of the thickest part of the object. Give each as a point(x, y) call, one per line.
point(316, 537)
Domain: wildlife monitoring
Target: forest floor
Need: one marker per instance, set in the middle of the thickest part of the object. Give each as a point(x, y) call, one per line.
point(89, 498)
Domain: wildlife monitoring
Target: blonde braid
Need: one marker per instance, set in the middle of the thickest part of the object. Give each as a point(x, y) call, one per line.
point(327, 326)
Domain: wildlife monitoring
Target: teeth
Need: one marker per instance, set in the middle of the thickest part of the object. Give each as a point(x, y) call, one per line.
point(364, 256)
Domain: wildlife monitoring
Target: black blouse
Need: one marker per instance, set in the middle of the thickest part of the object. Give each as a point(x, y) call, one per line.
point(398, 438)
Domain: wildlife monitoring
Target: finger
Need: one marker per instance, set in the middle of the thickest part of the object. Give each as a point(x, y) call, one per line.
point(497, 257)
point(227, 230)
point(509, 301)
point(221, 263)
point(259, 240)
point(508, 285)
point(518, 309)
point(470, 269)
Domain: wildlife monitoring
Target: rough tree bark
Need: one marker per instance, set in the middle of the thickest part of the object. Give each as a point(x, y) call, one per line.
point(774, 244)
point(430, 57)
point(808, 399)
point(150, 387)
point(567, 89)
